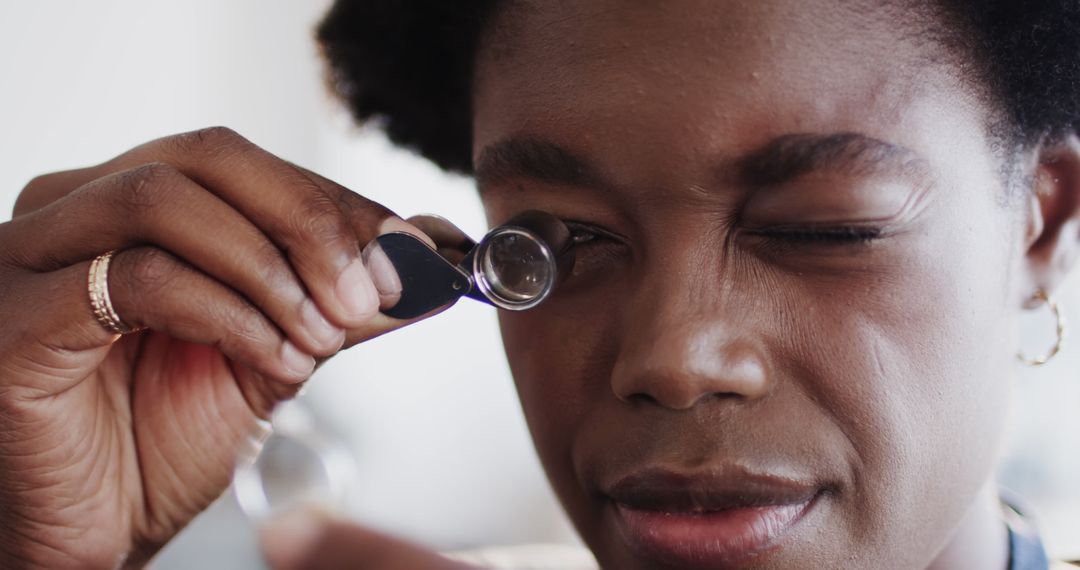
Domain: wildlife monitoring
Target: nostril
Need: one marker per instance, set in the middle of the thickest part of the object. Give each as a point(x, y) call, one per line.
point(645, 399)
point(641, 398)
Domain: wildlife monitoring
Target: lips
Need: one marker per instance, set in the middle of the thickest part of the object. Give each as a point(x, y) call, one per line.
point(719, 519)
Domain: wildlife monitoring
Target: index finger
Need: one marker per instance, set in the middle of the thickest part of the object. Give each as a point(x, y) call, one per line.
point(320, 226)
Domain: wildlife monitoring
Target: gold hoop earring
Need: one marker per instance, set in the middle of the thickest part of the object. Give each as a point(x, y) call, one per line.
point(1060, 317)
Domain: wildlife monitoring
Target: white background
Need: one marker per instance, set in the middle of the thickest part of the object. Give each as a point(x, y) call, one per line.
point(429, 412)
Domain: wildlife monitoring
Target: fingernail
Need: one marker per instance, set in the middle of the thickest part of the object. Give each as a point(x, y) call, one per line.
point(325, 334)
point(356, 292)
point(396, 224)
point(297, 363)
point(382, 270)
point(288, 539)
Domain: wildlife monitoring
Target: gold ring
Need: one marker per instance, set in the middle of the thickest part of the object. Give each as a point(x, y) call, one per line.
point(98, 286)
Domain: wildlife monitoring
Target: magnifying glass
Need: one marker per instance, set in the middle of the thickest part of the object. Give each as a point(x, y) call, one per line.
point(515, 266)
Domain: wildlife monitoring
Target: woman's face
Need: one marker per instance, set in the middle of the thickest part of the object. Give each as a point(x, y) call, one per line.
point(796, 286)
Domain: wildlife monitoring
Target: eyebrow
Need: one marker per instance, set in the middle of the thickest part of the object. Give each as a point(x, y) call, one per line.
point(782, 159)
point(790, 156)
point(536, 159)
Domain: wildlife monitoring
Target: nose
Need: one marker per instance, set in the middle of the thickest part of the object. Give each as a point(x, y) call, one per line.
point(678, 356)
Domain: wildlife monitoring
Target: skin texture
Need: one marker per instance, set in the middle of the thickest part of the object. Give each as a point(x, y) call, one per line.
point(701, 338)
point(704, 330)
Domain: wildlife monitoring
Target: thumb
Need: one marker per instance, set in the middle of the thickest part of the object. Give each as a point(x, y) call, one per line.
point(311, 539)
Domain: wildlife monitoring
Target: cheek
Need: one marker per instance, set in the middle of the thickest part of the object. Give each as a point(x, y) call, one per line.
point(551, 349)
point(560, 355)
point(912, 363)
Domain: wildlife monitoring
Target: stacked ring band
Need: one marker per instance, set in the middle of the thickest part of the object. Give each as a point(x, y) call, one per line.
point(98, 286)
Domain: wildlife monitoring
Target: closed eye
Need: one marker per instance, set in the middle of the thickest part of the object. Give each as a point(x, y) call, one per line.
point(811, 235)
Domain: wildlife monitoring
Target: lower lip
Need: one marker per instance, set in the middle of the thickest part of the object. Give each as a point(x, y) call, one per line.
point(714, 539)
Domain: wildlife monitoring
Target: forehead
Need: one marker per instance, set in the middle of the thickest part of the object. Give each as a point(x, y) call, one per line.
point(601, 27)
point(629, 77)
point(671, 44)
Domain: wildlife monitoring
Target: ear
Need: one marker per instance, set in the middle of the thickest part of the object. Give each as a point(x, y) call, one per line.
point(1053, 225)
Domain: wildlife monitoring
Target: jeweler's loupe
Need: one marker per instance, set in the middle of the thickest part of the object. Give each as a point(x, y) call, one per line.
point(515, 266)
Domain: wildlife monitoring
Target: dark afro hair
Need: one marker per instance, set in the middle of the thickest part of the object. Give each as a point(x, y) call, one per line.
point(407, 65)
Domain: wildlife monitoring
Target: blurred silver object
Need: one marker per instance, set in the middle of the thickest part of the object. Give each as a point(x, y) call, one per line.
point(299, 463)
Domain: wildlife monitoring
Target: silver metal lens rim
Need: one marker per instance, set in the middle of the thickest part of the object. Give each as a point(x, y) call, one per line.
point(485, 286)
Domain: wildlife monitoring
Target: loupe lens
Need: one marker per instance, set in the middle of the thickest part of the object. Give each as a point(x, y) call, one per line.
point(516, 268)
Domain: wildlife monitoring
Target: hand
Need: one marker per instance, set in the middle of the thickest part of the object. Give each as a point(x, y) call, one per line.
point(308, 539)
point(244, 267)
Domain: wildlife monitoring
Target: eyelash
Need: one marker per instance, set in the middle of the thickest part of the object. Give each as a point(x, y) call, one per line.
point(596, 247)
point(583, 233)
point(840, 235)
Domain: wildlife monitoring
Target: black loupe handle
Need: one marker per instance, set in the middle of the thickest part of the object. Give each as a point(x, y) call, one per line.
point(428, 281)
